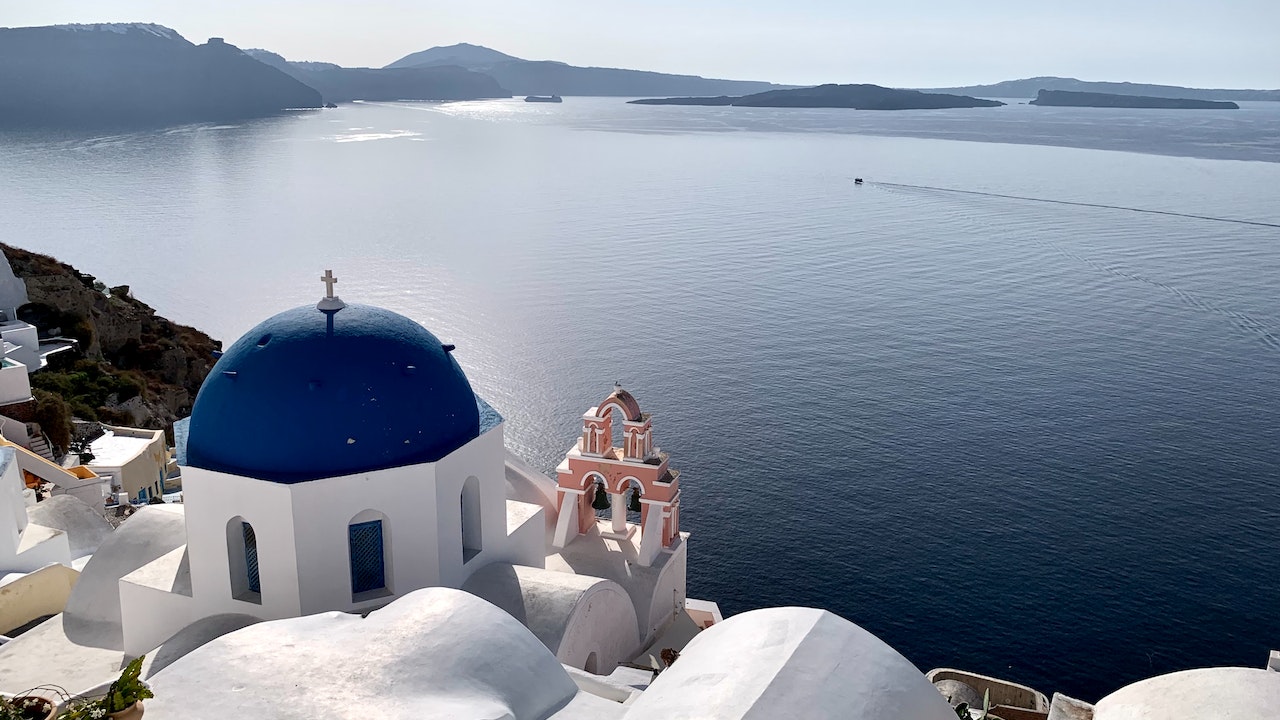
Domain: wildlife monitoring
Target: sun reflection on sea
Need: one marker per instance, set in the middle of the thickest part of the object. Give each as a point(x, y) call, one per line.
point(361, 136)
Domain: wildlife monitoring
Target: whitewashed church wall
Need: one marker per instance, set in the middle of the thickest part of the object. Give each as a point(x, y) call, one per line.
point(323, 509)
point(527, 543)
point(668, 592)
point(150, 616)
point(484, 459)
point(212, 499)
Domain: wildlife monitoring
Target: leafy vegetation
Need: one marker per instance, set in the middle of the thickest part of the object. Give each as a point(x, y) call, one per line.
point(54, 415)
point(80, 388)
point(123, 693)
point(87, 385)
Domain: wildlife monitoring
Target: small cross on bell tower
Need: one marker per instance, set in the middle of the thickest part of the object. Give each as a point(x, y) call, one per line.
point(330, 303)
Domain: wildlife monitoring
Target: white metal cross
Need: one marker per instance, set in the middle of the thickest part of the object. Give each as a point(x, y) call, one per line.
point(329, 281)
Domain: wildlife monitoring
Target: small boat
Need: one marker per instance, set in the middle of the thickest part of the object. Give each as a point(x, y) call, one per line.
point(857, 181)
point(543, 98)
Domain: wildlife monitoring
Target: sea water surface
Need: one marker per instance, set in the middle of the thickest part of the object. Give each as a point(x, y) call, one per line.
point(1030, 439)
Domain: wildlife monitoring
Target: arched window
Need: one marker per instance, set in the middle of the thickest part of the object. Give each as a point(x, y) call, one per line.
point(242, 559)
point(367, 535)
point(472, 531)
point(617, 437)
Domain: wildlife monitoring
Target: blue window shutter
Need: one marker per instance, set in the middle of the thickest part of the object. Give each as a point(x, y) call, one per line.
point(251, 558)
point(368, 570)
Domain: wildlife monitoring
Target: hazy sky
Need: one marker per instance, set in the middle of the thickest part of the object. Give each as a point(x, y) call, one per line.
point(921, 43)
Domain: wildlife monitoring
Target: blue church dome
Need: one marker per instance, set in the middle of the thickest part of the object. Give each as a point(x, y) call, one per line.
point(309, 394)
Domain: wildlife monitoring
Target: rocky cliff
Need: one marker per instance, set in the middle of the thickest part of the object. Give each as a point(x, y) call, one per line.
point(125, 75)
point(134, 367)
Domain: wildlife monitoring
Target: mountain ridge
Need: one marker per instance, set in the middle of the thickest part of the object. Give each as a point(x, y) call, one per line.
point(460, 54)
point(552, 77)
point(429, 83)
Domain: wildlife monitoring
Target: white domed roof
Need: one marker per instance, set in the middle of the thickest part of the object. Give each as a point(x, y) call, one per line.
point(434, 653)
point(790, 663)
point(1221, 693)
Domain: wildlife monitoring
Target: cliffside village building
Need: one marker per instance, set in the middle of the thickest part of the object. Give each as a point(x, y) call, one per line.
point(124, 464)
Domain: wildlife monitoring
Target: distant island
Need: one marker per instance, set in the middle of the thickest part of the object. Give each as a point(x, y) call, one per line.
point(548, 77)
point(125, 75)
point(110, 75)
point(340, 84)
point(1028, 87)
point(1062, 98)
point(122, 75)
point(855, 97)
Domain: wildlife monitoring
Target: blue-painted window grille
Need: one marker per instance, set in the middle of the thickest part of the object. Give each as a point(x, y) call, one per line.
point(251, 558)
point(368, 569)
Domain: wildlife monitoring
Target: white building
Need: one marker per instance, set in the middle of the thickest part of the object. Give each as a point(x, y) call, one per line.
point(42, 546)
point(24, 546)
point(18, 340)
point(21, 353)
point(134, 460)
point(337, 458)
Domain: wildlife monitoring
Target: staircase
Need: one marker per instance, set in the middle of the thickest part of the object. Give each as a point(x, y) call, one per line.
point(40, 446)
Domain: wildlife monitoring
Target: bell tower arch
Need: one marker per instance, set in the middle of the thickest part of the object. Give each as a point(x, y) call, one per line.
point(594, 472)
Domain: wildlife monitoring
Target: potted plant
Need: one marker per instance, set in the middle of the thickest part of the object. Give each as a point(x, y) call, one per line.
point(123, 700)
point(30, 705)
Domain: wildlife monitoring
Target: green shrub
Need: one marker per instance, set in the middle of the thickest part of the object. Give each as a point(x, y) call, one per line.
point(54, 416)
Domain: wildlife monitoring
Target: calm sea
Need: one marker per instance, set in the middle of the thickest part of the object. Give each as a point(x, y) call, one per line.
point(1030, 439)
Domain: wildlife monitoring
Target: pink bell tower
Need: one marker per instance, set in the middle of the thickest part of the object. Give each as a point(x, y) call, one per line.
point(593, 464)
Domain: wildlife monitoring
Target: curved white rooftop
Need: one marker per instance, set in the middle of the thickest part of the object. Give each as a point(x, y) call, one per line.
point(85, 527)
point(1220, 693)
point(434, 653)
point(92, 616)
point(573, 615)
point(788, 663)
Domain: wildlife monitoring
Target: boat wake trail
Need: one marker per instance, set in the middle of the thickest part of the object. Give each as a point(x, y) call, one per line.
point(1263, 330)
point(1268, 335)
point(1237, 221)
